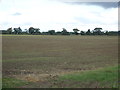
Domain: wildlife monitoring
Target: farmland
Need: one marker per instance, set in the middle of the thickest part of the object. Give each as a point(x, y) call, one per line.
point(46, 61)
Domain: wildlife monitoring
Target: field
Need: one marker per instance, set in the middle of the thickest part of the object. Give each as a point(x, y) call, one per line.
point(59, 61)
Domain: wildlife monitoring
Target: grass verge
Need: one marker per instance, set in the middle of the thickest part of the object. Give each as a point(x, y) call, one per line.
point(101, 78)
point(8, 82)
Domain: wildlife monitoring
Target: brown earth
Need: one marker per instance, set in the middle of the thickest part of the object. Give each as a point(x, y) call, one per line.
point(39, 58)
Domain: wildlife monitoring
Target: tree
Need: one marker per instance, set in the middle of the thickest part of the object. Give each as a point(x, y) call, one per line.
point(31, 30)
point(64, 32)
point(76, 31)
point(88, 32)
point(97, 31)
point(82, 33)
point(114, 33)
point(51, 32)
point(106, 33)
point(9, 30)
point(34, 30)
point(17, 30)
point(26, 31)
point(58, 33)
point(119, 32)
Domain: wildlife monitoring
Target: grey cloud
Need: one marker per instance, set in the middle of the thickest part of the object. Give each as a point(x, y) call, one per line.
point(105, 4)
point(16, 14)
point(102, 4)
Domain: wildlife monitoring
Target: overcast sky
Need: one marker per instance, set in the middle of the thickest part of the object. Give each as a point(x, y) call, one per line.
point(58, 14)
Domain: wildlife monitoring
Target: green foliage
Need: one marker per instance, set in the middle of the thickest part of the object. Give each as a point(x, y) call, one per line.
point(8, 82)
point(17, 30)
point(76, 31)
point(108, 76)
point(97, 31)
point(113, 33)
point(58, 33)
point(34, 31)
point(51, 32)
point(9, 30)
point(88, 32)
point(82, 33)
point(106, 33)
point(65, 32)
point(31, 30)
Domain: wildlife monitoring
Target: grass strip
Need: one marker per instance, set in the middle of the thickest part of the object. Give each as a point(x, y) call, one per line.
point(103, 77)
point(8, 82)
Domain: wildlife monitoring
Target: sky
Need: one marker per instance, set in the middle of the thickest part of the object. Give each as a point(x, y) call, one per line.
point(57, 14)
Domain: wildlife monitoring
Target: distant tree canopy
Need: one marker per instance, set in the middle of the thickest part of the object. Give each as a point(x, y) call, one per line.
point(76, 31)
point(113, 33)
point(97, 31)
point(51, 32)
point(9, 30)
point(31, 30)
point(82, 33)
point(106, 33)
point(65, 32)
point(34, 30)
point(88, 32)
point(58, 33)
point(17, 30)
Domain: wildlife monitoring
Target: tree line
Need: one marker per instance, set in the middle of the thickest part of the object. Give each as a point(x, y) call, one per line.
point(36, 31)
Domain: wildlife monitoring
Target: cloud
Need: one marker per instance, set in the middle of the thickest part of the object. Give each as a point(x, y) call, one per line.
point(88, 0)
point(105, 4)
point(101, 4)
point(16, 14)
point(45, 14)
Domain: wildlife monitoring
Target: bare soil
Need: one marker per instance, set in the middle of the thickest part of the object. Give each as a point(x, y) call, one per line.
point(40, 58)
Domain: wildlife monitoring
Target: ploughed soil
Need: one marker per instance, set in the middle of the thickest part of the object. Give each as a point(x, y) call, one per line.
point(41, 59)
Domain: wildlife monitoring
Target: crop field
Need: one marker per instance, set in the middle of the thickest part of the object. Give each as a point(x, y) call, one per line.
point(30, 61)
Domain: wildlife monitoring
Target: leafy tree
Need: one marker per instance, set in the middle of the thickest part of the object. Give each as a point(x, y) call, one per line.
point(64, 32)
point(45, 33)
point(17, 30)
point(51, 32)
point(114, 33)
point(97, 31)
point(119, 32)
point(106, 33)
point(82, 33)
point(88, 32)
point(36, 31)
point(9, 30)
point(58, 33)
point(76, 31)
point(3, 32)
point(26, 31)
point(31, 30)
